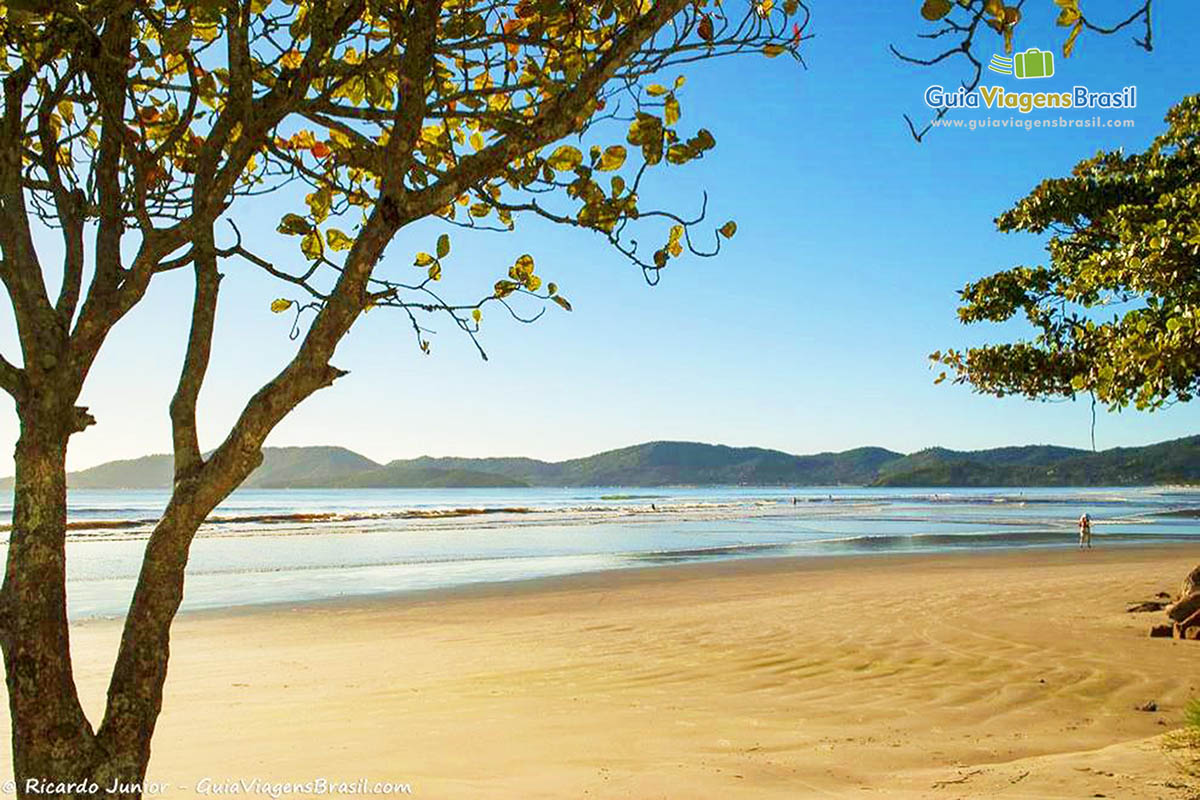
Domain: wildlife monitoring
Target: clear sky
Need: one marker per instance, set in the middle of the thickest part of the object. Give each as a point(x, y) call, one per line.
point(809, 333)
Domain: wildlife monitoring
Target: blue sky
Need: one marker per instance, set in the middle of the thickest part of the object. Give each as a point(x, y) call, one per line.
point(810, 332)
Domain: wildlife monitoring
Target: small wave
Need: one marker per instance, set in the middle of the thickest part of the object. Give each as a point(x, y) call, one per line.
point(933, 541)
point(632, 496)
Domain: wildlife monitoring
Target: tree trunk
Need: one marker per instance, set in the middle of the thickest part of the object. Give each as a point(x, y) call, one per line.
point(136, 688)
point(52, 739)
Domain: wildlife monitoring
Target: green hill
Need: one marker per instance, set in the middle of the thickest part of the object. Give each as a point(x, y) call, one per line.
point(695, 464)
point(286, 468)
point(1175, 461)
point(402, 475)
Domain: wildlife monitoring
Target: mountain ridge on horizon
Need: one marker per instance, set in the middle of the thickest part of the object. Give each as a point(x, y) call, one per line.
point(665, 463)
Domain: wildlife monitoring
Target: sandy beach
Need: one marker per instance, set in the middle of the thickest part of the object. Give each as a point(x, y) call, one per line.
point(1012, 674)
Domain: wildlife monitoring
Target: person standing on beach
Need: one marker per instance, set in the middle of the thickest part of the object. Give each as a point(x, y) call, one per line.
point(1085, 531)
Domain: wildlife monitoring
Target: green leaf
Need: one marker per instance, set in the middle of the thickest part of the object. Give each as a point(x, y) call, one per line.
point(477, 315)
point(933, 10)
point(443, 245)
point(294, 225)
point(176, 38)
point(678, 154)
point(562, 301)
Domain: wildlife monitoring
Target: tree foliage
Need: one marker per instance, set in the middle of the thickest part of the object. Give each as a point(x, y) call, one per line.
point(1117, 308)
point(137, 131)
point(457, 108)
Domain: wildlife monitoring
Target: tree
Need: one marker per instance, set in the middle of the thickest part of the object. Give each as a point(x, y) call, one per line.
point(1117, 309)
point(133, 130)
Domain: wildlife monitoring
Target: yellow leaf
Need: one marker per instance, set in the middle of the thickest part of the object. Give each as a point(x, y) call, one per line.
point(280, 305)
point(671, 109)
point(773, 50)
point(728, 229)
point(292, 59)
point(1069, 44)
point(524, 266)
point(612, 159)
point(477, 140)
point(312, 246)
point(423, 260)
point(435, 271)
point(338, 240)
point(565, 157)
point(656, 90)
point(1067, 17)
point(477, 315)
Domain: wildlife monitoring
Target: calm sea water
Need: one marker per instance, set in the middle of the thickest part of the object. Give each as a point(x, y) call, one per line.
point(294, 546)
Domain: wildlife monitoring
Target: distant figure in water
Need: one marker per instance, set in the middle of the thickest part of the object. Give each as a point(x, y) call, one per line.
point(793, 501)
point(653, 507)
point(1085, 531)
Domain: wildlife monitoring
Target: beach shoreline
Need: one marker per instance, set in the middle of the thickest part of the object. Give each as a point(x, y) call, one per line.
point(1006, 673)
point(616, 578)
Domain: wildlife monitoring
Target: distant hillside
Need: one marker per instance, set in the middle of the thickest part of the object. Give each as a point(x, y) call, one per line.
point(1176, 461)
point(399, 474)
point(675, 463)
point(285, 468)
point(694, 464)
point(296, 467)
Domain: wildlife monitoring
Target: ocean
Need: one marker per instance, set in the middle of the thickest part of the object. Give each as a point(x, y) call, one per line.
point(294, 546)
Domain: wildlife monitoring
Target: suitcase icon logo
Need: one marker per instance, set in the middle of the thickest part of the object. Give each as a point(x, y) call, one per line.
point(1034, 63)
